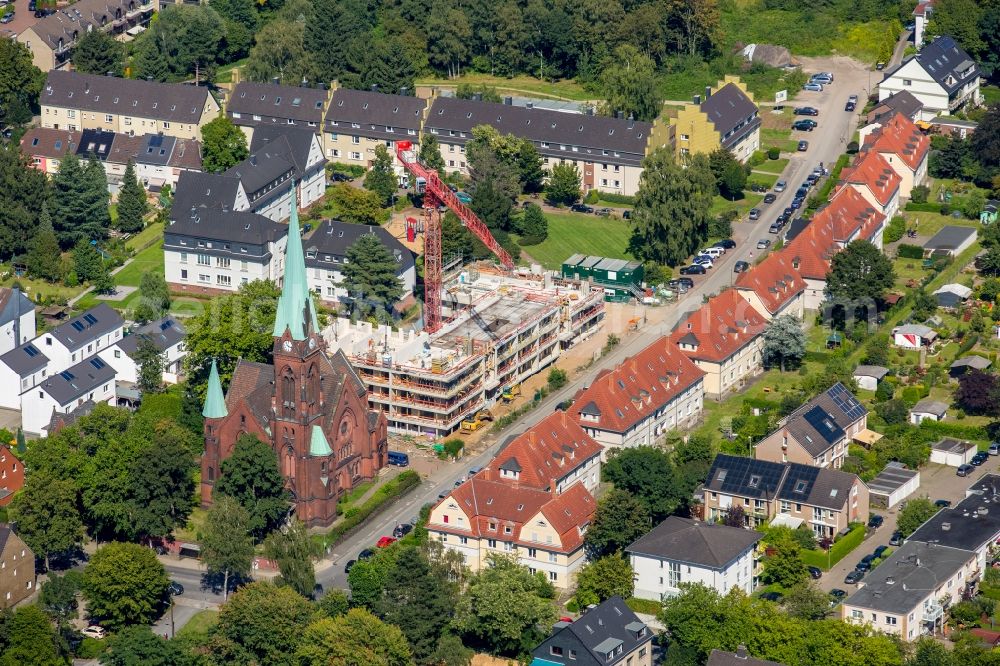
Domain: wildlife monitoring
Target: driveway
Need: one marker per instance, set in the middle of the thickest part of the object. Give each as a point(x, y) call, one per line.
point(936, 482)
point(23, 19)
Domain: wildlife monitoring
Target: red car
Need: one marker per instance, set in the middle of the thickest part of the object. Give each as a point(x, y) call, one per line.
point(384, 542)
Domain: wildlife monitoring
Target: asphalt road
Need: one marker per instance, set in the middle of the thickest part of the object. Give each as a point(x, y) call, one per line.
point(826, 144)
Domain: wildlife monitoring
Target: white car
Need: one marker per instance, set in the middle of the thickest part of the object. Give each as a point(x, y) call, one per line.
point(94, 631)
point(703, 260)
point(714, 252)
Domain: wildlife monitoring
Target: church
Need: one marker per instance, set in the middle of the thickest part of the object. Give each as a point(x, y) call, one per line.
point(310, 406)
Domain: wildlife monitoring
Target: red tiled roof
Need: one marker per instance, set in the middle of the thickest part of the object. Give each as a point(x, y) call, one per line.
point(546, 452)
point(923, 7)
point(719, 328)
point(42, 141)
point(901, 137)
point(810, 252)
point(637, 388)
point(871, 170)
point(773, 280)
point(569, 512)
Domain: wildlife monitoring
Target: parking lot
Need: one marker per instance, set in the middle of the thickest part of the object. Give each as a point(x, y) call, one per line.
point(23, 19)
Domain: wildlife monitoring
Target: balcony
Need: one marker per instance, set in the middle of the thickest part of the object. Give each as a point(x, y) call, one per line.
point(932, 613)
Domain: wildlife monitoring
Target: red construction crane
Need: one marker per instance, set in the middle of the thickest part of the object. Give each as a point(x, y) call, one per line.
point(436, 193)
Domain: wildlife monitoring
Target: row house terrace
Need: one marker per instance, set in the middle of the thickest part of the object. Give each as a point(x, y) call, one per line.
point(773, 287)
point(903, 146)
point(357, 121)
point(878, 183)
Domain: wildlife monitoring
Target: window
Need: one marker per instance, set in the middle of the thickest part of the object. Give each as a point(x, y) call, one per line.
point(118, 353)
point(71, 113)
point(204, 260)
point(108, 118)
point(184, 274)
point(890, 620)
point(907, 82)
point(556, 650)
point(204, 278)
point(491, 543)
point(222, 262)
point(223, 280)
point(856, 615)
point(355, 156)
point(355, 139)
point(553, 576)
point(673, 574)
point(166, 125)
point(553, 557)
point(243, 266)
point(184, 257)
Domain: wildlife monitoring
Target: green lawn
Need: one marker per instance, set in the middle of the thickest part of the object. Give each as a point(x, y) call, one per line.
point(928, 224)
point(572, 233)
point(773, 166)
point(38, 289)
point(149, 260)
point(186, 307)
point(145, 237)
point(778, 137)
point(766, 179)
point(749, 200)
point(518, 85)
point(199, 625)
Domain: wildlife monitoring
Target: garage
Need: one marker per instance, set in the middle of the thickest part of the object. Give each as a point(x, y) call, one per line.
point(952, 452)
point(893, 484)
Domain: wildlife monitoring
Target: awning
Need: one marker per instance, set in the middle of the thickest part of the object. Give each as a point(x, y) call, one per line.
point(155, 184)
point(135, 30)
point(786, 520)
point(867, 437)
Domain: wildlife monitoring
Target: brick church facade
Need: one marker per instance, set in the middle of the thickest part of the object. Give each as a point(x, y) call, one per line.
point(310, 406)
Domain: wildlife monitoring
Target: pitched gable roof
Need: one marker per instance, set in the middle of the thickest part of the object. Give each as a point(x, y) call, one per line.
point(273, 101)
point(546, 452)
point(899, 102)
point(48, 142)
point(947, 63)
point(695, 542)
point(774, 280)
point(375, 112)
point(732, 112)
point(823, 421)
point(638, 388)
point(602, 630)
point(872, 171)
point(901, 137)
point(173, 102)
point(719, 328)
point(92, 324)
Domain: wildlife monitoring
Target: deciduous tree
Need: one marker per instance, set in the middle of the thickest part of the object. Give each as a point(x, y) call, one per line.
point(648, 474)
point(604, 578)
point(124, 584)
point(292, 549)
point(154, 297)
point(353, 639)
point(20, 83)
point(784, 342)
point(226, 544)
point(977, 392)
point(917, 511)
point(28, 638)
point(859, 274)
point(251, 476)
point(46, 516)
point(356, 205)
point(58, 595)
point(619, 520)
point(149, 360)
point(430, 152)
point(162, 476)
point(223, 145)
point(630, 85)
point(564, 184)
point(138, 645)
point(261, 624)
point(381, 178)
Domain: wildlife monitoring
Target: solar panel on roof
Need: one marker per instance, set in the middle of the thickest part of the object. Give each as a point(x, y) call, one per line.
point(31, 351)
point(820, 420)
point(90, 319)
point(156, 140)
point(846, 401)
point(167, 324)
point(67, 375)
point(77, 326)
point(97, 363)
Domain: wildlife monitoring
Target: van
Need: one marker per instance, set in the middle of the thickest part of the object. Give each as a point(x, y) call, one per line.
point(994, 449)
point(399, 459)
point(713, 252)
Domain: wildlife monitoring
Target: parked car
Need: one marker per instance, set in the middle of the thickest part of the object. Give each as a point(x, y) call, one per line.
point(350, 564)
point(803, 146)
point(603, 212)
point(175, 588)
point(764, 243)
point(994, 448)
point(385, 542)
point(402, 530)
point(805, 125)
point(693, 269)
point(769, 198)
point(773, 229)
point(772, 596)
point(366, 554)
point(94, 631)
point(581, 208)
point(865, 564)
point(896, 539)
point(714, 252)
point(813, 87)
point(837, 594)
point(780, 186)
point(850, 106)
point(965, 470)
point(879, 66)
point(464, 197)
point(815, 572)
point(741, 266)
point(979, 458)
point(797, 203)
point(825, 78)
point(725, 243)
point(854, 577)
point(7, 18)
point(942, 503)
point(811, 180)
point(878, 552)
point(682, 282)
point(875, 521)
point(702, 260)
point(754, 213)
point(338, 177)
point(626, 215)
point(806, 111)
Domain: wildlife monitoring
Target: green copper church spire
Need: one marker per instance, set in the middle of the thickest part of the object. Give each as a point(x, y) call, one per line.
point(215, 403)
point(295, 299)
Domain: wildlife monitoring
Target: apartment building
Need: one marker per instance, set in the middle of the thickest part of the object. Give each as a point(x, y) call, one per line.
point(17, 569)
point(326, 253)
point(253, 105)
point(903, 146)
point(607, 151)
point(90, 381)
point(873, 177)
point(819, 432)
point(942, 76)
point(211, 251)
point(724, 339)
point(73, 101)
point(902, 102)
point(773, 287)
point(51, 39)
point(825, 500)
point(11, 474)
point(359, 120)
point(655, 391)
point(166, 334)
point(608, 635)
point(17, 318)
point(682, 550)
point(727, 118)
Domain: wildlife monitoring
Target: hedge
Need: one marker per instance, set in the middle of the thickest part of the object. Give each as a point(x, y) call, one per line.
point(839, 550)
point(824, 192)
point(647, 606)
point(610, 197)
point(929, 207)
point(968, 343)
point(938, 429)
point(907, 251)
point(383, 497)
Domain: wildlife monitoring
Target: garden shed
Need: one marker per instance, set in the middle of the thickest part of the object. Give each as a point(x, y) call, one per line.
point(892, 485)
point(934, 410)
point(868, 376)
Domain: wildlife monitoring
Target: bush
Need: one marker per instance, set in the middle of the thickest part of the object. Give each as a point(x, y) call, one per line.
point(907, 251)
point(452, 447)
point(352, 170)
point(647, 606)
point(852, 147)
point(773, 153)
point(839, 550)
point(355, 516)
point(591, 197)
point(557, 379)
point(895, 230)
point(90, 648)
point(919, 194)
point(924, 207)
point(610, 197)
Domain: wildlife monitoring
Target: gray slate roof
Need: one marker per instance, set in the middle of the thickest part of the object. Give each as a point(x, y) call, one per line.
point(95, 143)
point(172, 102)
point(13, 304)
point(374, 112)
point(739, 658)
point(272, 162)
point(943, 58)
point(929, 406)
point(876, 371)
point(87, 327)
point(26, 359)
point(950, 238)
point(900, 102)
point(204, 190)
point(81, 17)
point(694, 542)
point(269, 100)
point(728, 109)
point(236, 227)
point(596, 632)
point(164, 333)
point(327, 246)
point(977, 362)
point(78, 380)
point(293, 143)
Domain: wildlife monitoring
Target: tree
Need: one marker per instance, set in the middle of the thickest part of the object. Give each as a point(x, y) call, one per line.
point(619, 520)
point(430, 153)
point(456, 239)
point(150, 60)
point(223, 145)
point(604, 578)
point(356, 638)
point(124, 584)
point(735, 516)
point(504, 607)
point(20, 83)
point(58, 595)
point(149, 360)
point(495, 159)
point(784, 342)
point(226, 544)
point(189, 39)
point(44, 259)
point(79, 206)
point(162, 476)
point(27, 638)
point(893, 411)
point(138, 645)
point(564, 183)
point(534, 227)
point(452, 652)
point(368, 578)
point(671, 215)
point(977, 393)
point(785, 567)
point(132, 204)
point(529, 165)
point(418, 602)
point(46, 516)
point(648, 474)
point(806, 602)
point(279, 51)
point(384, 66)
point(24, 190)
point(482, 92)
point(986, 139)
point(104, 283)
point(356, 205)
point(630, 86)
point(99, 53)
point(730, 175)
point(859, 274)
point(381, 178)
point(371, 276)
point(154, 297)
point(260, 624)
point(916, 512)
point(334, 603)
point(292, 549)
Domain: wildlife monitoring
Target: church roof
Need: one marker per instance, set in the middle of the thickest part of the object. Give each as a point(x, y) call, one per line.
point(296, 311)
point(215, 404)
point(318, 446)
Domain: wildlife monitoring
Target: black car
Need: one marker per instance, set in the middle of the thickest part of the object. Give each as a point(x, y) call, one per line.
point(338, 177)
point(878, 552)
point(787, 213)
point(942, 503)
point(693, 269)
point(682, 282)
point(803, 146)
point(850, 106)
point(581, 208)
point(815, 572)
point(402, 530)
point(805, 125)
point(806, 111)
point(802, 191)
point(175, 588)
point(740, 266)
point(964, 470)
point(865, 564)
point(797, 203)
point(772, 596)
point(979, 458)
point(875, 521)
point(725, 244)
point(366, 554)
point(626, 215)
point(896, 539)
point(838, 594)
point(350, 564)
point(769, 198)
point(854, 577)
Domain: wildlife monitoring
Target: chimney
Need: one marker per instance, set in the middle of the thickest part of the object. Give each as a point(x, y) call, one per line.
point(697, 100)
point(404, 91)
point(109, 74)
point(86, 87)
point(305, 82)
point(590, 110)
point(276, 80)
point(149, 78)
point(530, 105)
point(741, 652)
point(509, 101)
point(708, 92)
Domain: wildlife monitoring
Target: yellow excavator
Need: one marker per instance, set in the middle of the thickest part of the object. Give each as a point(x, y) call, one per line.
point(477, 421)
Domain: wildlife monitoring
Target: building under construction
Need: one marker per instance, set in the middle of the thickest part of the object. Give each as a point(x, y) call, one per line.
point(498, 331)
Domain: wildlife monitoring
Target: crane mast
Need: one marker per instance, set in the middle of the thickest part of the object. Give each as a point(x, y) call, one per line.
point(435, 194)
